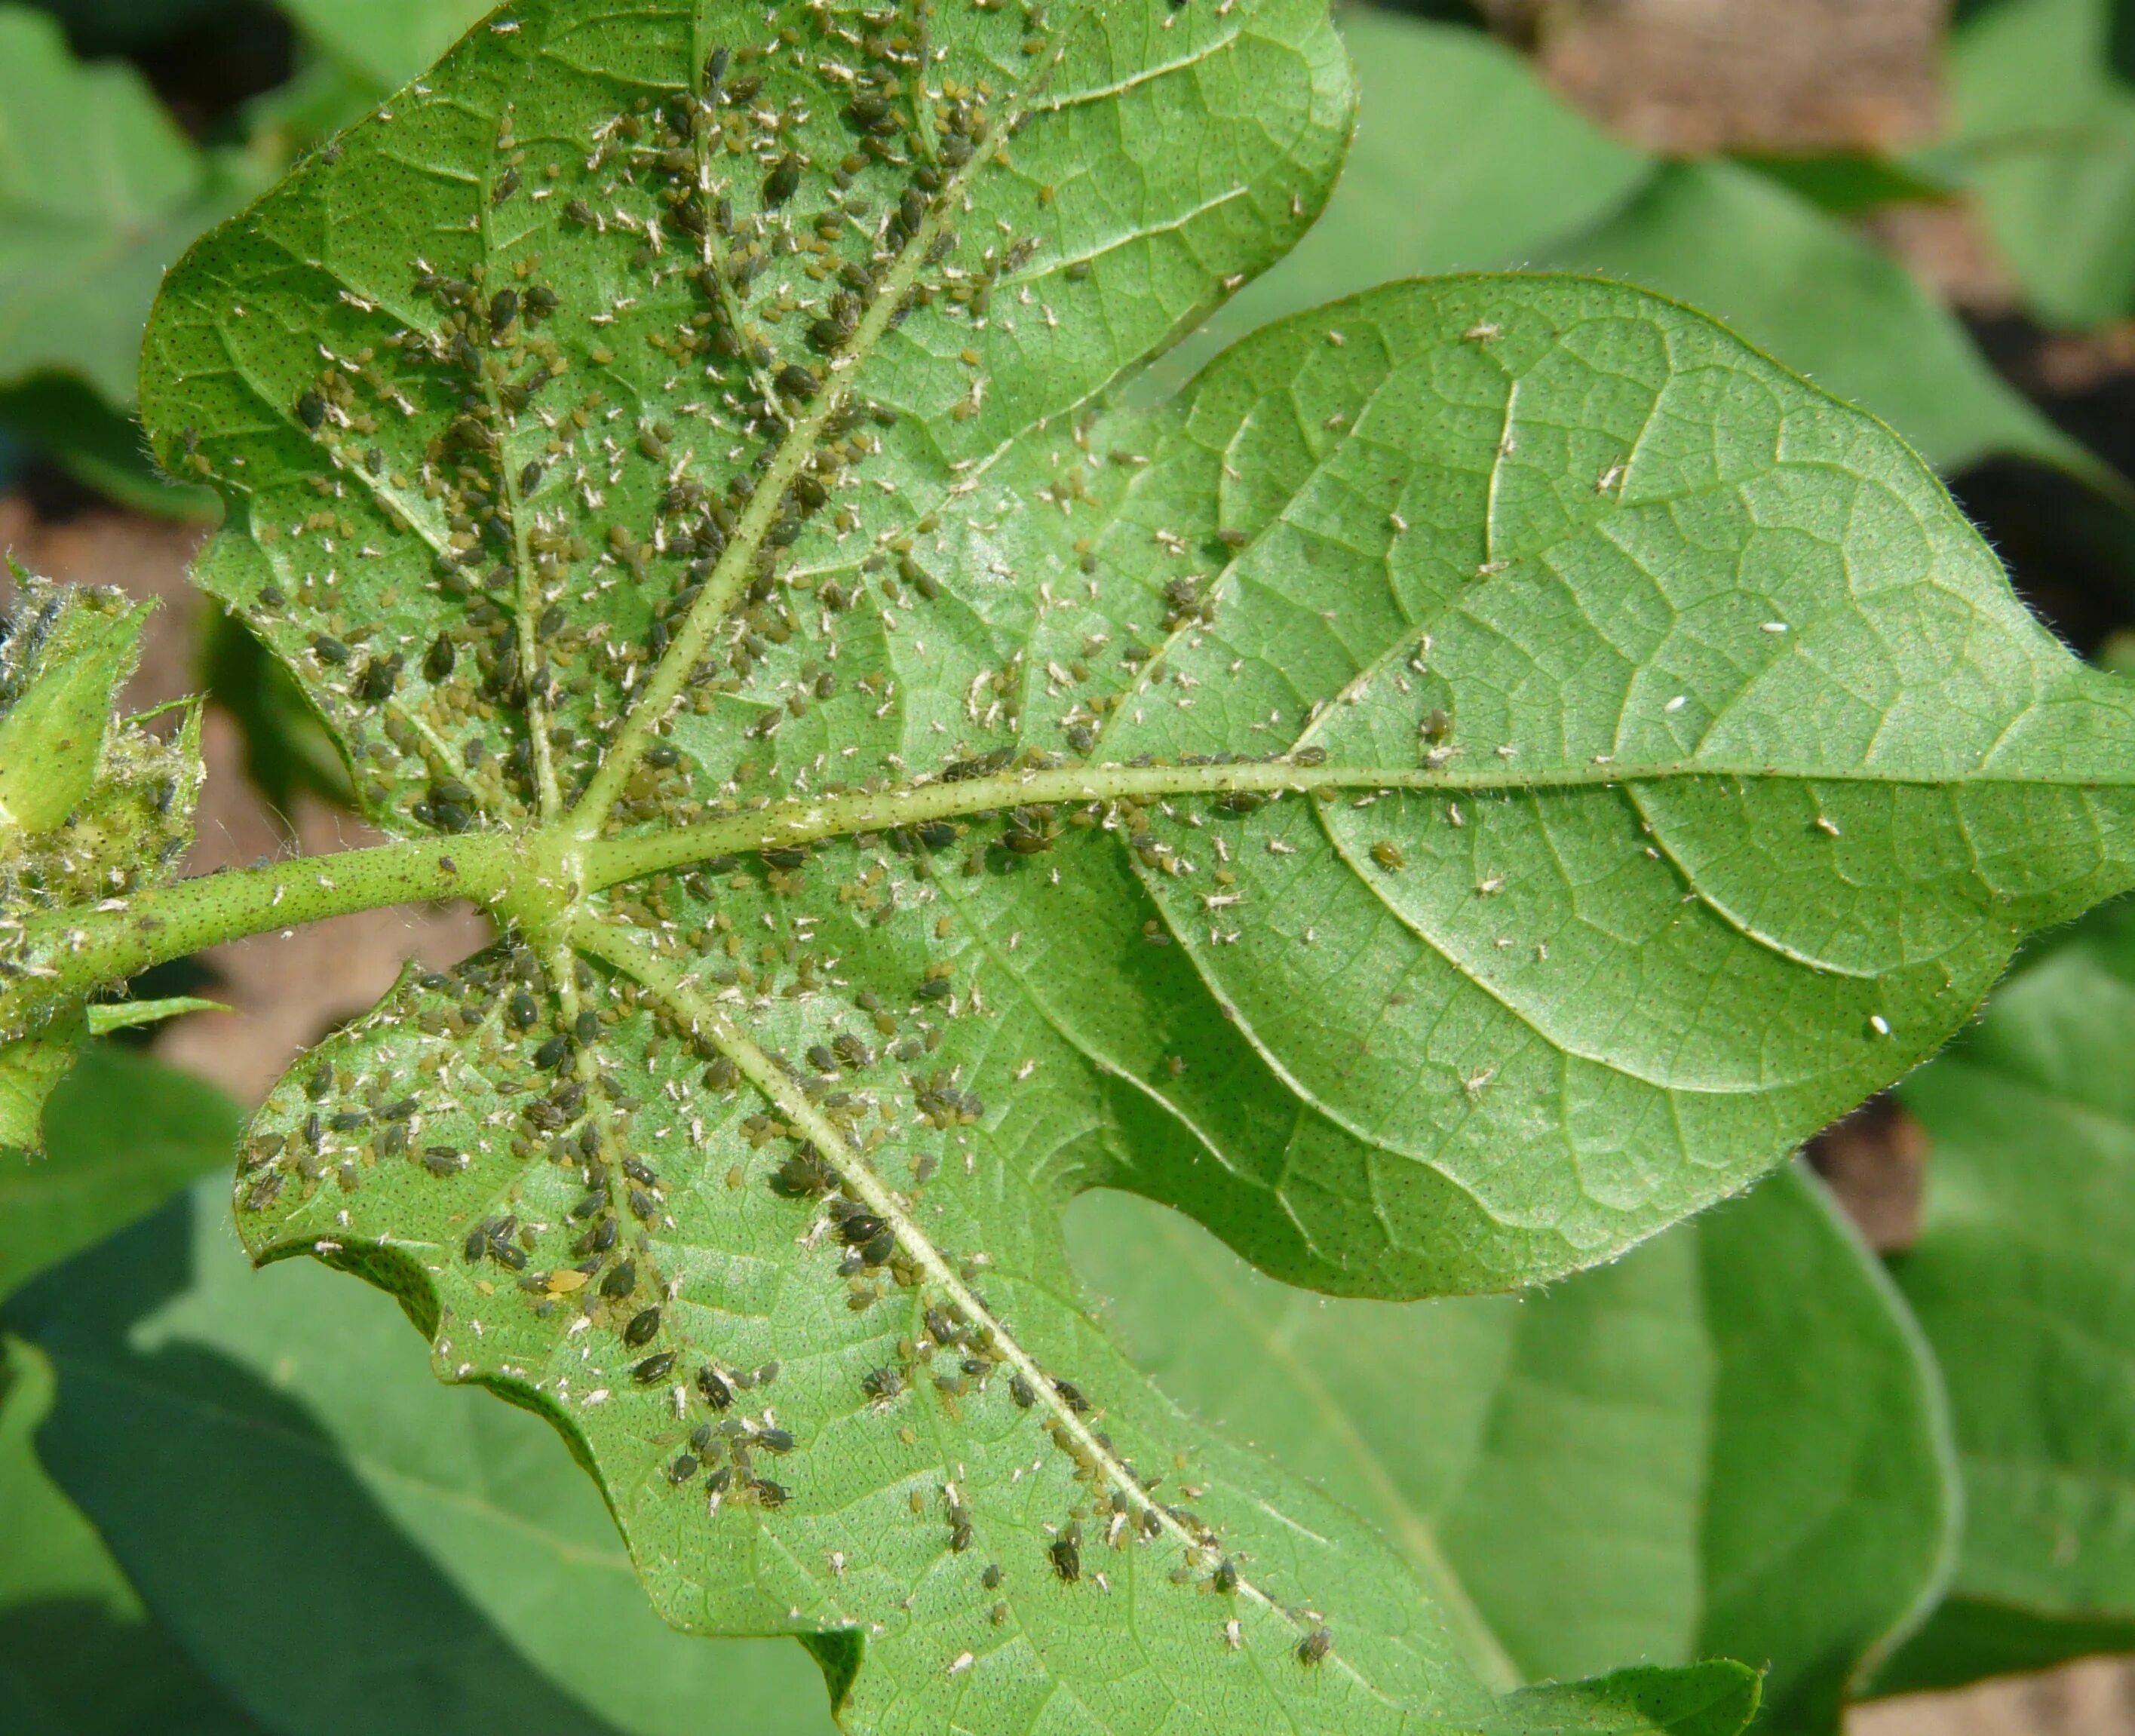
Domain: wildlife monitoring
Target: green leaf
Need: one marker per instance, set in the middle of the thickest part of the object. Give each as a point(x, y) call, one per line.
point(387, 41)
point(125, 1134)
point(132, 1015)
point(2018, 1279)
point(1730, 240)
point(99, 192)
point(79, 1656)
point(92, 808)
point(62, 687)
point(1731, 1443)
point(455, 1570)
point(2046, 123)
point(1482, 774)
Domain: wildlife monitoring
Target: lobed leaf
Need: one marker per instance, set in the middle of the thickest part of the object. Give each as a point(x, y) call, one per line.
point(1481, 774)
point(1731, 1443)
point(2019, 1280)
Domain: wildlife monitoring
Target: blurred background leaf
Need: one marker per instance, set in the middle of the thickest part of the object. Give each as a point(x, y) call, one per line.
point(2023, 1281)
point(436, 1560)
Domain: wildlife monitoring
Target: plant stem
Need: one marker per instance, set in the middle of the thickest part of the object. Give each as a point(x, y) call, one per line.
point(73, 951)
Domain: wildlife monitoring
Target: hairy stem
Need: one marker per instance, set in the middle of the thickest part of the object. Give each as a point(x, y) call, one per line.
point(73, 951)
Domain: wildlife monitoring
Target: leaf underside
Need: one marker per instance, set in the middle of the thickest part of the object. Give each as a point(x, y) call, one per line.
point(1477, 775)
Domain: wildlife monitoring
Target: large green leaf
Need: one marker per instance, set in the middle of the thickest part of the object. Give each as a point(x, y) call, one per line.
point(1731, 1443)
point(124, 1134)
point(2046, 121)
point(99, 192)
point(1481, 774)
point(437, 1561)
point(2020, 1279)
point(79, 1656)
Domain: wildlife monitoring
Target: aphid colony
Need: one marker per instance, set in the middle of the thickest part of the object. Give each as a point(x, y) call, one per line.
point(133, 827)
point(581, 525)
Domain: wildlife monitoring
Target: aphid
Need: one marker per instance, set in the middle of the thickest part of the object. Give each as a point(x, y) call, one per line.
point(438, 662)
point(682, 1470)
point(1389, 856)
point(642, 1329)
point(774, 1440)
point(524, 1009)
point(312, 411)
point(769, 1493)
point(860, 1228)
point(329, 650)
point(712, 1384)
point(1227, 1576)
point(442, 1160)
point(1020, 1390)
point(883, 1383)
point(587, 1028)
point(620, 1282)
point(1314, 1646)
point(506, 187)
point(783, 181)
point(796, 381)
point(1072, 1394)
point(530, 479)
point(504, 310)
point(992, 1577)
point(552, 1053)
point(653, 1370)
point(476, 1245)
point(1066, 1552)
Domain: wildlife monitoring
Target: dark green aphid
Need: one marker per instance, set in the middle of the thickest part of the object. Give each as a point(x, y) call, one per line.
point(438, 662)
point(541, 301)
point(476, 1245)
point(821, 1058)
point(883, 1383)
point(1227, 1576)
point(643, 1206)
point(525, 1010)
point(587, 1028)
point(784, 180)
point(796, 381)
point(329, 650)
point(506, 187)
point(770, 1494)
point(774, 1440)
point(1066, 1552)
point(579, 211)
point(682, 1470)
point(442, 1160)
point(938, 834)
point(379, 677)
point(880, 1249)
point(960, 771)
point(653, 1370)
point(504, 310)
point(1020, 1390)
point(642, 1329)
point(507, 1254)
point(639, 1171)
point(712, 1386)
point(663, 755)
point(530, 479)
point(588, 1205)
point(934, 988)
point(715, 71)
point(992, 1577)
point(620, 1282)
point(312, 411)
point(804, 1176)
point(552, 1053)
point(1314, 1646)
point(860, 1228)
point(786, 857)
